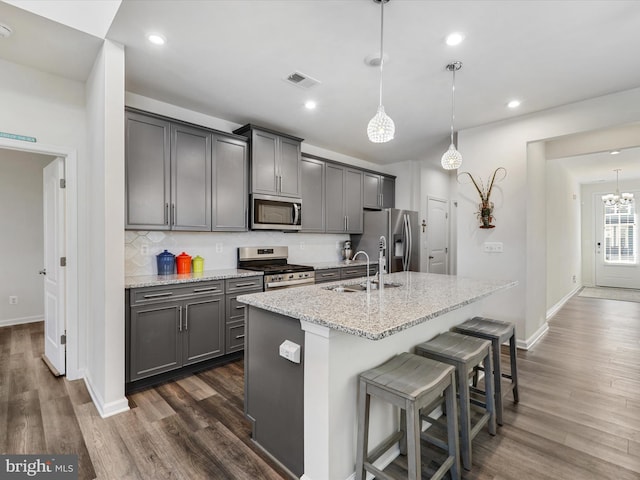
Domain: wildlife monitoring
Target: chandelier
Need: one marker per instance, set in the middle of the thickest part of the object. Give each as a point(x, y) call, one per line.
point(381, 128)
point(617, 198)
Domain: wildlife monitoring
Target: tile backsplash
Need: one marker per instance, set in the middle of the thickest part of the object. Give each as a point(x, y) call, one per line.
point(219, 250)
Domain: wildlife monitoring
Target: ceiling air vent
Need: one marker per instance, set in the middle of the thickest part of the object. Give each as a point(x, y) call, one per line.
point(302, 80)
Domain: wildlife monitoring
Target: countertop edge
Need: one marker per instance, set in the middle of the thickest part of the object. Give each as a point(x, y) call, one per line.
point(139, 281)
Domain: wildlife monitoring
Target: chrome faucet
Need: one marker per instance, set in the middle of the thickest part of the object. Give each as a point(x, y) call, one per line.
point(366, 255)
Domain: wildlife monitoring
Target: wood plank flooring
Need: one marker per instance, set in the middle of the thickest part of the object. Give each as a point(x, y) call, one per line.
point(578, 416)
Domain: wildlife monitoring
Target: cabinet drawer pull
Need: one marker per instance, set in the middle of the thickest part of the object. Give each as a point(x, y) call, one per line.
point(328, 274)
point(238, 337)
point(351, 272)
point(242, 307)
point(158, 295)
point(201, 290)
point(247, 284)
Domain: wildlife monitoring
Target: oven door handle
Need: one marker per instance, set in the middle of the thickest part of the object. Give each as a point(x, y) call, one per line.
point(289, 283)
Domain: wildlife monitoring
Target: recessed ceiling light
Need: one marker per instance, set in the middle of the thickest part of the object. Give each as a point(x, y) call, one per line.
point(614, 152)
point(156, 39)
point(310, 105)
point(5, 31)
point(513, 104)
point(454, 39)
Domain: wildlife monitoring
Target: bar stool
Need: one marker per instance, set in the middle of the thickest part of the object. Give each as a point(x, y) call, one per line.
point(497, 332)
point(465, 353)
point(411, 383)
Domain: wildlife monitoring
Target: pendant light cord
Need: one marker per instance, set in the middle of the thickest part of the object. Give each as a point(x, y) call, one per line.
point(453, 99)
point(381, 46)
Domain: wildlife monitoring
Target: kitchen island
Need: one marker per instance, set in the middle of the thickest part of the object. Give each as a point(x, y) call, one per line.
point(304, 414)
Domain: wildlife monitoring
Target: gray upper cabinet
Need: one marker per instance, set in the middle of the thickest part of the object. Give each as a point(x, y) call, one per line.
point(147, 172)
point(313, 191)
point(275, 161)
point(379, 191)
point(229, 197)
point(343, 199)
point(183, 177)
point(190, 178)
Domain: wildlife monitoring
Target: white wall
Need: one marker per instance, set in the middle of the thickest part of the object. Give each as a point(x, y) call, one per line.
point(520, 202)
point(564, 252)
point(105, 335)
point(51, 109)
point(22, 242)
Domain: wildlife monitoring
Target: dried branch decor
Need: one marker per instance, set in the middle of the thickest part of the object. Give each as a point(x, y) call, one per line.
point(485, 213)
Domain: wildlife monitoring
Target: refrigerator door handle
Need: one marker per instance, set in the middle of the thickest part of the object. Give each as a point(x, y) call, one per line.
point(410, 248)
point(405, 243)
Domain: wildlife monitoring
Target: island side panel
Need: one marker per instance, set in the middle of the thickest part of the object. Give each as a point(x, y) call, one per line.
point(333, 361)
point(274, 387)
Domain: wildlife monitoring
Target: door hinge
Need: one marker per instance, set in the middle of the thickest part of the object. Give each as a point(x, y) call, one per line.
point(446, 216)
point(446, 249)
point(63, 261)
point(63, 183)
point(63, 338)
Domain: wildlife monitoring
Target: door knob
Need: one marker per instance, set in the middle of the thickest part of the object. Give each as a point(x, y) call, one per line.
point(42, 272)
point(431, 257)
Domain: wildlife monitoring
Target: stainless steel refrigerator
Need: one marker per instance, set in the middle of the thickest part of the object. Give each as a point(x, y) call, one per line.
point(401, 231)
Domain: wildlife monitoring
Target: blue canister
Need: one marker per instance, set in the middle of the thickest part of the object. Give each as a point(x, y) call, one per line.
point(166, 263)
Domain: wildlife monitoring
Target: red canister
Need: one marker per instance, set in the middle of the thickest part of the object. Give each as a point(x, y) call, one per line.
point(183, 263)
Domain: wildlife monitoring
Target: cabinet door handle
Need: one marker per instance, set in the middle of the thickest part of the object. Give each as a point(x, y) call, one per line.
point(347, 217)
point(180, 313)
point(201, 290)
point(238, 337)
point(186, 317)
point(247, 284)
point(166, 214)
point(158, 295)
point(241, 307)
point(173, 214)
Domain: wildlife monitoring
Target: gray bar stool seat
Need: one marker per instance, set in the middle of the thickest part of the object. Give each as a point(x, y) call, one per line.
point(411, 383)
point(497, 332)
point(465, 353)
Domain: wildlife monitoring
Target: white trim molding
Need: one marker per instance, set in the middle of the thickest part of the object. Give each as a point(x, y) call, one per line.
point(533, 339)
point(19, 321)
point(555, 308)
point(105, 409)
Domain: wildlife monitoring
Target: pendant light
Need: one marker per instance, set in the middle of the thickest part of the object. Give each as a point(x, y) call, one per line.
point(612, 199)
point(381, 128)
point(452, 158)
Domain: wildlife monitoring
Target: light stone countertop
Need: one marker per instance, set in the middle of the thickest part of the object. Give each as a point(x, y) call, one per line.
point(421, 296)
point(153, 280)
point(339, 264)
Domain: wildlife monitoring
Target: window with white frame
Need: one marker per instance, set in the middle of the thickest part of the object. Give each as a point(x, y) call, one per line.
point(620, 234)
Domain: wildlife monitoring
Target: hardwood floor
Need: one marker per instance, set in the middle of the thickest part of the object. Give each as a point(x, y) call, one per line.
point(578, 416)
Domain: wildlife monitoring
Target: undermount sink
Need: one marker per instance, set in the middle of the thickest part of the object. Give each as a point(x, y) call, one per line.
point(361, 287)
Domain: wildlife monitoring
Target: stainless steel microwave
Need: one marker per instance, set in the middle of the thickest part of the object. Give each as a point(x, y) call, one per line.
point(270, 212)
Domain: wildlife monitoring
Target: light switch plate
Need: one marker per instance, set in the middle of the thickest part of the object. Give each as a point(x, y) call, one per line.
point(493, 247)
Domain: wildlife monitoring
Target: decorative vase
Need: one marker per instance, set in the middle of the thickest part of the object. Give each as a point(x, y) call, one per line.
point(486, 214)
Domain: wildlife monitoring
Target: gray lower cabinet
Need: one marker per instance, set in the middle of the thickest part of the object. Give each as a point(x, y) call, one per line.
point(313, 191)
point(173, 326)
point(343, 199)
point(234, 325)
point(345, 273)
point(147, 172)
point(379, 191)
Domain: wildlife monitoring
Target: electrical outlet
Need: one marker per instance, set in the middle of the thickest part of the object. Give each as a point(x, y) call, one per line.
point(574, 279)
point(493, 247)
point(218, 247)
point(13, 300)
point(301, 245)
point(144, 250)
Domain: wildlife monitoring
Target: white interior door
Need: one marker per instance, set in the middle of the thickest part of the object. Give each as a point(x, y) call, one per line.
point(437, 235)
point(616, 263)
point(54, 272)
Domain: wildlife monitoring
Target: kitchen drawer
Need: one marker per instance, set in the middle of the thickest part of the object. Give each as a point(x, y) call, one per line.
point(243, 284)
point(145, 295)
point(235, 309)
point(235, 336)
point(328, 275)
point(354, 272)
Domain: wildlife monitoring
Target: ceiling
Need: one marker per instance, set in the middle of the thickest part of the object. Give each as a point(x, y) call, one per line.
point(228, 58)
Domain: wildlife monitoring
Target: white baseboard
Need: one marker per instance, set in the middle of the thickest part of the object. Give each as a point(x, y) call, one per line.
point(554, 309)
point(105, 409)
point(533, 339)
point(19, 321)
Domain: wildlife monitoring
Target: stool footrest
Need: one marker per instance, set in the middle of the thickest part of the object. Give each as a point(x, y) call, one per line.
point(434, 441)
point(377, 473)
point(444, 468)
point(390, 441)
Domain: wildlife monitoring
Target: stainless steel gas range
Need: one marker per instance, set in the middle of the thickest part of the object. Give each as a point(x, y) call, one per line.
point(278, 273)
